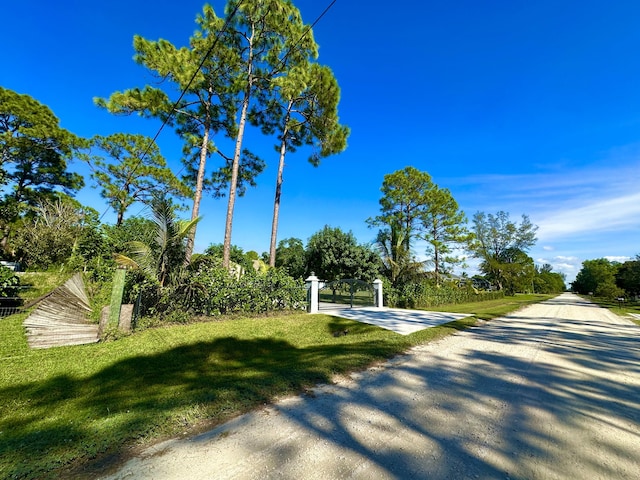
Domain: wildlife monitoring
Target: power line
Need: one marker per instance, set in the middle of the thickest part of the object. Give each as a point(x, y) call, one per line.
point(184, 90)
point(174, 108)
point(293, 47)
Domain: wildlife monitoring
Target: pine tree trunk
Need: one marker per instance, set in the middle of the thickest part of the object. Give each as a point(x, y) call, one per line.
point(120, 218)
point(5, 239)
point(235, 167)
point(197, 196)
point(276, 202)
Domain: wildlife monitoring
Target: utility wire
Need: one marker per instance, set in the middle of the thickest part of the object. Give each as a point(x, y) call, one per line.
point(293, 47)
point(184, 91)
point(174, 108)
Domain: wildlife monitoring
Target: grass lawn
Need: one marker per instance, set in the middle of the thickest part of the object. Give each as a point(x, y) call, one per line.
point(69, 408)
point(622, 309)
point(494, 308)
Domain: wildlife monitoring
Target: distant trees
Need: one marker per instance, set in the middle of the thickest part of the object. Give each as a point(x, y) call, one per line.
point(412, 208)
point(598, 277)
point(548, 281)
point(628, 276)
point(501, 245)
point(34, 153)
point(335, 255)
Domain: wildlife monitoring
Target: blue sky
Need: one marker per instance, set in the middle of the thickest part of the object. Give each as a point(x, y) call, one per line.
point(526, 107)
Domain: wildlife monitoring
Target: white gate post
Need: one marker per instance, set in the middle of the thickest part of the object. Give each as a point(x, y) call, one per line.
point(377, 292)
point(312, 292)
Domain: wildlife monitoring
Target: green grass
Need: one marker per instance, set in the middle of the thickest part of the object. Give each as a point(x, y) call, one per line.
point(494, 308)
point(37, 284)
point(67, 409)
point(361, 298)
point(622, 309)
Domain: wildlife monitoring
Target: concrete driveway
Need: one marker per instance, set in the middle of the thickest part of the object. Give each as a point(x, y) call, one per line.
point(549, 392)
point(398, 320)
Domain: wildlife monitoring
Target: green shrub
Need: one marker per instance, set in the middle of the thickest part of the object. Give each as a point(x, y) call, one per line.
point(211, 290)
point(427, 294)
point(9, 282)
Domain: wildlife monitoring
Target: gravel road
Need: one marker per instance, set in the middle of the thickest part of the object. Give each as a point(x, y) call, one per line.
point(549, 392)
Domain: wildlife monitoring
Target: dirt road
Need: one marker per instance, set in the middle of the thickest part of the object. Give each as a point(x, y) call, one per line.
point(550, 392)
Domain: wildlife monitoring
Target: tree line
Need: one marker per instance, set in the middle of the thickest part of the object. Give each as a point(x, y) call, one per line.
point(609, 279)
point(256, 65)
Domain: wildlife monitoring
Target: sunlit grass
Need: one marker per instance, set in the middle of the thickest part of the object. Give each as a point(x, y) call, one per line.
point(64, 407)
point(494, 308)
point(36, 284)
point(624, 309)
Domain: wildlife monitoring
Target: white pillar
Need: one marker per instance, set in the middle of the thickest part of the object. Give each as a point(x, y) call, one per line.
point(312, 292)
point(377, 292)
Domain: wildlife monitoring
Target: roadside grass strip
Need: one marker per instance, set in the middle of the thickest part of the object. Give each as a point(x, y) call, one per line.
point(65, 410)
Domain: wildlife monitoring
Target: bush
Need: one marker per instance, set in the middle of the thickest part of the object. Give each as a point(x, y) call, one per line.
point(609, 291)
point(211, 290)
point(427, 294)
point(9, 282)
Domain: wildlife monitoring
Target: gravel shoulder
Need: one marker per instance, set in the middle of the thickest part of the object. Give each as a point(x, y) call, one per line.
point(549, 392)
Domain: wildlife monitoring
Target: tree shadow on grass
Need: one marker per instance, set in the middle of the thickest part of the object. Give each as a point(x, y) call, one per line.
point(155, 395)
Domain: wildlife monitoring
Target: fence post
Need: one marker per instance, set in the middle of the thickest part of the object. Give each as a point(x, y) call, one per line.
point(116, 297)
point(377, 292)
point(312, 293)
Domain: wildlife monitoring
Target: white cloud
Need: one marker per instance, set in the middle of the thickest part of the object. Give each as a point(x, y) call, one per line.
point(620, 259)
point(568, 265)
point(608, 214)
point(566, 204)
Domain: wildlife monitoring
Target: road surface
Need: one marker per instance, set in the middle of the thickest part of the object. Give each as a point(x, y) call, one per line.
point(549, 392)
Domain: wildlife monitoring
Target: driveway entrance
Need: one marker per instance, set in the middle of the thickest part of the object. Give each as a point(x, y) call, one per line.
point(397, 320)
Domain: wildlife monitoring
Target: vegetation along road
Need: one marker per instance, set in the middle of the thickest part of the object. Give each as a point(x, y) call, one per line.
point(550, 391)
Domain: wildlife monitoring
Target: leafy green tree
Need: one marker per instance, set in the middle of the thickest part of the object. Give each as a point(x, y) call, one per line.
point(402, 206)
point(264, 33)
point(53, 233)
point(597, 277)
point(403, 203)
point(238, 256)
point(34, 152)
point(132, 229)
point(414, 208)
point(501, 245)
point(290, 256)
point(548, 281)
point(443, 228)
point(628, 276)
point(303, 111)
point(335, 255)
point(133, 171)
point(516, 272)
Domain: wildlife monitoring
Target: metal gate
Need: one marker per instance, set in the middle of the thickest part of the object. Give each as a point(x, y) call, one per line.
point(345, 293)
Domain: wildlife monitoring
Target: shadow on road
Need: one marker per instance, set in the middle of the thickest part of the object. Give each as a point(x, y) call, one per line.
point(546, 397)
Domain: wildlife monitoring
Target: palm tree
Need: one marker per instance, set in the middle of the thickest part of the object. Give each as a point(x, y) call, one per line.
point(164, 259)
